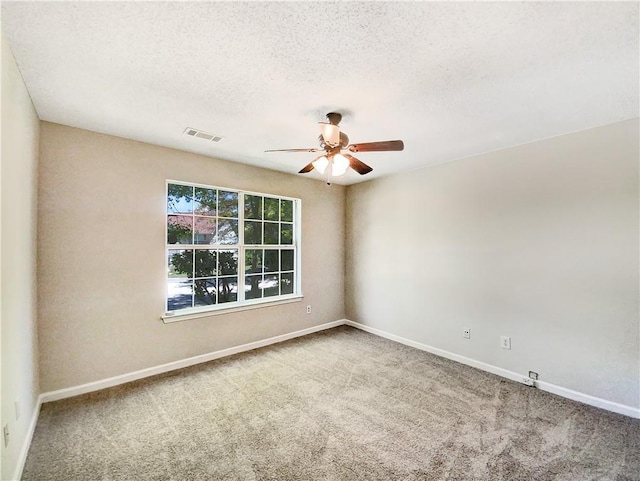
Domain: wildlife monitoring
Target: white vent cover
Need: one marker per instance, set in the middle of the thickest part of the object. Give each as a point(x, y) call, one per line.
point(203, 135)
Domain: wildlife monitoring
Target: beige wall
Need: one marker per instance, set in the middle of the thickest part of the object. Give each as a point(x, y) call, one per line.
point(538, 242)
point(20, 133)
point(101, 257)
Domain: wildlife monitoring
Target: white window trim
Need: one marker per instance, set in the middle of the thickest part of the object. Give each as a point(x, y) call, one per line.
point(196, 313)
point(241, 304)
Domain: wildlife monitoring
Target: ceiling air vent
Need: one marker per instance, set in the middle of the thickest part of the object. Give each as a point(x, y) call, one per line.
point(203, 135)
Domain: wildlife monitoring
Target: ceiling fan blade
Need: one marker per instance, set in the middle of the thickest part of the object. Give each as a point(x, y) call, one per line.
point(357, 165)
point(385, 146)
point(306, 168)
point(294, 150)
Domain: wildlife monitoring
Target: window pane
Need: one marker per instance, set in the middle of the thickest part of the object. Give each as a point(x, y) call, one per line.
point(227, 231)
point(271, 231)
point(252, 287)
point(180, 263)
point(204, 292)
point(205, 201)
point(252, 207)
point(179, 229)
point(205, 263)
point(270, 285)
point(253, 260)
point(252, 232)
point(227, 204)
point(179, 294)
point(228, 262)
point(286, 260)
point(179, 283)
point(227, 289)
point(286, 233)
point(286, 283)
point(205, 230)
point(271, 209)
point(179, 199)
point(271, 260)
point(286, 210)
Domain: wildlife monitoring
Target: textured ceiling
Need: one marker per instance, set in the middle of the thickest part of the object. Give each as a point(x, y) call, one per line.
point(450, 79)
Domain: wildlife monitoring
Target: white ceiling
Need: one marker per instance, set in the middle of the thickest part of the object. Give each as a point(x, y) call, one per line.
point(450, 79)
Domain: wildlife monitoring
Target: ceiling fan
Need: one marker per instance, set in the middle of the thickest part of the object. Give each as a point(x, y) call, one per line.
point(333, 142)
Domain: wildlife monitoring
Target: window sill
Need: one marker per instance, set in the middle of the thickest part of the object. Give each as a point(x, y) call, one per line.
point(218, 310)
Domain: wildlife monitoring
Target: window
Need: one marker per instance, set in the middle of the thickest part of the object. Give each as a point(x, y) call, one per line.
point(227, 248)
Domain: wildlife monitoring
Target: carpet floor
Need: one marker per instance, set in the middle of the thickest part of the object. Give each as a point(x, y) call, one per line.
point(341, 404)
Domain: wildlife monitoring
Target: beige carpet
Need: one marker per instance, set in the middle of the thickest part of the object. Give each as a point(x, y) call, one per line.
point(337, 405)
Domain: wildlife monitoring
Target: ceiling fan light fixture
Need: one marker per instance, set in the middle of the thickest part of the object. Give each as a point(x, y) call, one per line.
point(330, 133)
point(320, 164)
point(339, 165)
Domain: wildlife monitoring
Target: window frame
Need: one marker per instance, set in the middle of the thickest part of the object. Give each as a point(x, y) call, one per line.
point(242, 303)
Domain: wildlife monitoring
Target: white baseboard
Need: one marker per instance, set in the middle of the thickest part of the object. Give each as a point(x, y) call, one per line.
point(26, 444)
point(514, 376)
point(172, 366)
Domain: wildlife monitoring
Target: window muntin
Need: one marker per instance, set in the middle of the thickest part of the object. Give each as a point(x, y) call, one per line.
point(218, 239)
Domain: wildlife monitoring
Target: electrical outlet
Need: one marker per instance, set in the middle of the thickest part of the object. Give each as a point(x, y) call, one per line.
point(505, 342)
point(308, 309)
point(466, 333)
point(533, 375)
point(5, 433)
